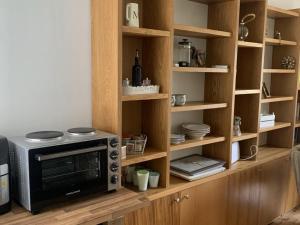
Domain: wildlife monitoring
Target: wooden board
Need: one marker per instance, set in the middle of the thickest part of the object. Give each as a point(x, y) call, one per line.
point(275, 12)
point(192, 106)
point(278, 125)
point(194, 143)
point(199, 70)
point(144, 32)
point(198, 32)
point(84, 211)
point(149, 154)
point(247, 92)
point(247, 44)
point(244, 136)
point(278, 42)
point(277, 99)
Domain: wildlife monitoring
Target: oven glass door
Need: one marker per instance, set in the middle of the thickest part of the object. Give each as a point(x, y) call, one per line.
point(59, 173)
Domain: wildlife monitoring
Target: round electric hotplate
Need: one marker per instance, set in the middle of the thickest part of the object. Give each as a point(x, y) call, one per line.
point(44, 135)
point(82, 131)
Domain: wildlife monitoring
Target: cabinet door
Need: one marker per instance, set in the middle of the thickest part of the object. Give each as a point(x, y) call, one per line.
point(243, 203)
point(205, 204)
point(274, 185)
point(164, 211)
point(292, 199)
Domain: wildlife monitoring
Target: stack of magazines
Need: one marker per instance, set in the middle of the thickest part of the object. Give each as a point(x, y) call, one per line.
point(267, 120)
point(194, 167)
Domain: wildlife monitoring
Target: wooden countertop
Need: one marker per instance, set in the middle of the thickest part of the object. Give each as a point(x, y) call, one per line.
point(98, 209)
point(85, 211)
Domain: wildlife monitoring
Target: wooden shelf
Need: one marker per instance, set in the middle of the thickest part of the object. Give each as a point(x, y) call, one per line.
point(277, 42)
point(144, 32)
point(297, 124)
point(275, 12)
point(246, 44)
point(199, 70)
point(192, 106)
point(195, 143)
point(144, 97)
point(244, 136)
point(199, 32)
point(279, 71)
point(149, 154)
point(277, 99)
point(278, 125)
point(247, 92)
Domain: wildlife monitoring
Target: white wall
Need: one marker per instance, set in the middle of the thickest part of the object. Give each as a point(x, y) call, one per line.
point(45, 65)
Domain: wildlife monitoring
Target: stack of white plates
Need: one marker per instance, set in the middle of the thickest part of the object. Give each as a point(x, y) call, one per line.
point(177, 139)
point(195, 131)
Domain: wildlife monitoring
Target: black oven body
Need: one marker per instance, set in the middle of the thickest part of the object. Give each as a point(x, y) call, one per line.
point(59, 173)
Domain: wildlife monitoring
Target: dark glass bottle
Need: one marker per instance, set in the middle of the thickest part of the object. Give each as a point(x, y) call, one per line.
point(137, 72)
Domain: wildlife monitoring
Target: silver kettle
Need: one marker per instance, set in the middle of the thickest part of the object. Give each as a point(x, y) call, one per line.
point(243, 29)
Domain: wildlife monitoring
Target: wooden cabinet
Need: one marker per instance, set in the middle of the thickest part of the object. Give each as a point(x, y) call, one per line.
point(164, 211)
point(254, 196)
point(273, 188)
point(258, 195)
point(205, 204)
point(244, 197)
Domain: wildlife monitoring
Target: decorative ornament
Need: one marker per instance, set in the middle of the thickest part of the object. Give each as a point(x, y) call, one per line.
point(288, 62)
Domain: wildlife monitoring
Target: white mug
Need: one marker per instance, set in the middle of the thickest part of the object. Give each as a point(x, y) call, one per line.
point(132, 15)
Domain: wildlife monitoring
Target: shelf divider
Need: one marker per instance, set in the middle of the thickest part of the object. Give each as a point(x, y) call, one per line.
point(278, 125)
point(277, 42)
point(199, 70)
point(149, 154)
point(277, 99)
point(244, 136)
point(195, 143)
point(193, 106)
point(126, 98)
point(199, 32)
point(275, 12)
point(144, 32)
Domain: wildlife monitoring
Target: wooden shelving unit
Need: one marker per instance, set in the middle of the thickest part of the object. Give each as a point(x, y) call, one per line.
point(192, 106)
point(235, 91)
point(199, 70)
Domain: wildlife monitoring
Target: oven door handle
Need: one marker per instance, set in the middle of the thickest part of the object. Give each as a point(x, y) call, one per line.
point(41, 157)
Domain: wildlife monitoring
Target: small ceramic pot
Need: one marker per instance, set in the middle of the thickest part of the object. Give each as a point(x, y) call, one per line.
point(143, 178)
point(180, 99)
point(173, 100)
point(153, 179)
point(130, 173)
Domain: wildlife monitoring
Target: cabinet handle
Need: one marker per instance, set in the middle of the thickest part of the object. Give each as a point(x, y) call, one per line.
point(177, 200)
point(186, 197)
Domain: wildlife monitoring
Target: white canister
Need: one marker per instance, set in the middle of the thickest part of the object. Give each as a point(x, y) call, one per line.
point(153, 179)
point(132, 15)
point(143, 177)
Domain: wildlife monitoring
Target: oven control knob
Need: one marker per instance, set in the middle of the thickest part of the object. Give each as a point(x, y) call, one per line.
point(114, 167)
point(114, 142)
point(114, 155)
point(114, 179)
